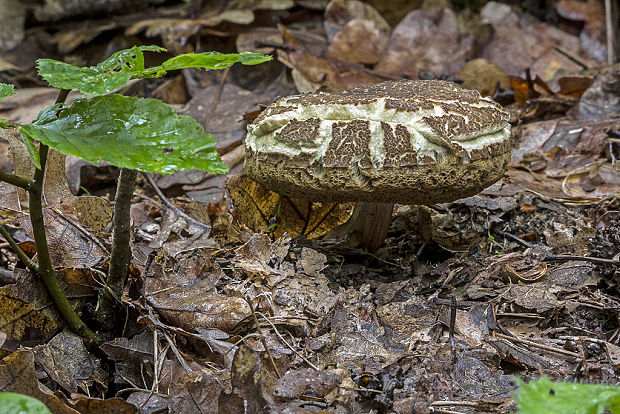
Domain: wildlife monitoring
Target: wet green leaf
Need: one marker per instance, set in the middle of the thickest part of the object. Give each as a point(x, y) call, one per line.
point(128, 64)
point(129, 132)
point(545, 396)
point(208, 60)
point(11, 403)
point(6, 90)
point(108, 75)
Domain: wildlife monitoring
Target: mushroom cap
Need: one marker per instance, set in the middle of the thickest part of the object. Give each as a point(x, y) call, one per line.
point(407, 142)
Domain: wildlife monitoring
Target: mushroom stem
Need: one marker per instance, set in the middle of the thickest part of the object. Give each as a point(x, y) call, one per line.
point(369, 224)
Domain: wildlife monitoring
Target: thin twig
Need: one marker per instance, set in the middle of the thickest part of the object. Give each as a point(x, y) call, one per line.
point(176, 352)
point(567, 257)
point(16, 180)
point(570, 57)
point(155, 385)
point(515, 238)
point(175, 209)
point(286, 343)
point(218, 95)
point(18, 251)
point(562, 257)
point(455, 404)
point(262, 337)
point(609, 28)
point(537, 345)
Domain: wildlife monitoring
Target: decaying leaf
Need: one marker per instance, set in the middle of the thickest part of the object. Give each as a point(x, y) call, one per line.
point(18, 375)
point(483, 76)
point(67, 361)
point(264, 210)
point(22, 320)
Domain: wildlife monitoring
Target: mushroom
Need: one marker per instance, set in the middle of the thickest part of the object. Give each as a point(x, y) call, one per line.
point(405, 142)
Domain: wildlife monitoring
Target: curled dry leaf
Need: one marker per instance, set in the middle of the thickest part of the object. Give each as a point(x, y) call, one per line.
point(264, 210)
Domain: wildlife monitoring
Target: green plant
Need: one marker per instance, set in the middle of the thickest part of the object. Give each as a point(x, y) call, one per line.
point(545, 396)
point(131, 133)
point(12, 403)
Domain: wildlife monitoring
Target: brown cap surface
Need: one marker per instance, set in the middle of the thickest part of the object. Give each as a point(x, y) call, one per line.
point(408, 142)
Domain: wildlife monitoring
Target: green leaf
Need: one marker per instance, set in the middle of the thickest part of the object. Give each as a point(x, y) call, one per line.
point(545, 396)
point(129, 132)
point(128, 64)
point(208, 60)
point(32, 149)
point(108, 75)
point(12, 403)
point(47, 115)
point(6, 90)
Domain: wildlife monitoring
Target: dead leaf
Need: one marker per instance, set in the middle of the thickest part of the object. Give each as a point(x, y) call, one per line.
point(592, 13)
point(24, 321)
point(66, 361)
point(254, 255)
point(574, 85)
point(483, 76)
point(17, 374)
point(98, 405)
point(297, 383)
point(187, 299)
point(519, 44)
point(537, 297)
point(359, 41)
point(247, 384)
point(264, 210)
point(426, 40)
point(69, 245)
point(311, 70)
point(12, 19)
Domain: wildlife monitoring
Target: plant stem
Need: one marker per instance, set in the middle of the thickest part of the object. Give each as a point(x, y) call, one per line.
point(120, 256)
point(16, 180)
point(46, 271)
point(18, 250)
point(44, 267)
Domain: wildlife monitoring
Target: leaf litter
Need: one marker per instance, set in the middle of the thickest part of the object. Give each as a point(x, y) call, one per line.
point(520, 280)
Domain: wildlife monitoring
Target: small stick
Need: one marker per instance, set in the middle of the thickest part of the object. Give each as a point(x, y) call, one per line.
point(262, 337)
point(287, 344)
point(566, 257)
point(175, 209)
point(18, 251)
point(537, 345)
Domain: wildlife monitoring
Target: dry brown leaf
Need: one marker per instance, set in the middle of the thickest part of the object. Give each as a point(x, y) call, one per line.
point(70, 38)
point(592, 12)
point(311, 70)
point(66, 361)
point(97, 405)
point(69, 245)
point(426, 40)
point(12, 19)
point(263, 210)
point(359, 41)
point(483, 76)
point(574, 85)
point(18, 374)
point(252, 40)
point(24, 321)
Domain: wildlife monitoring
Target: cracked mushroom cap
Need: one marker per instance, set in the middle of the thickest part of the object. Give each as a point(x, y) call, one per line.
point(406, 142)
